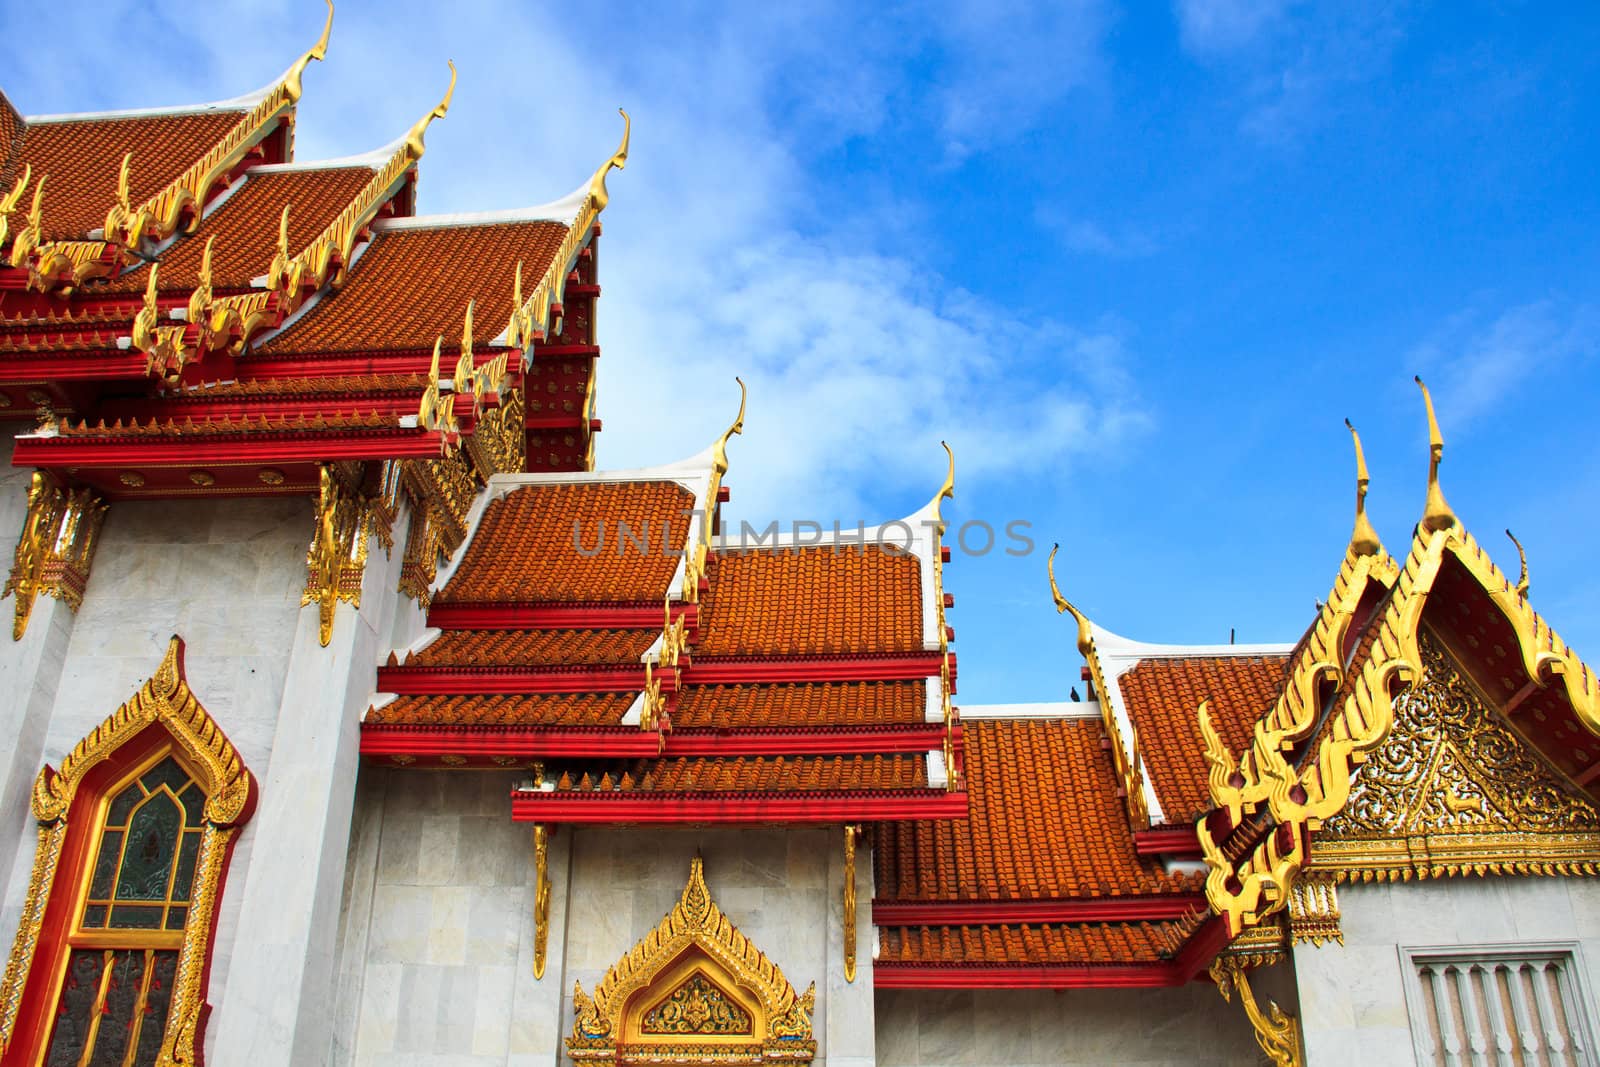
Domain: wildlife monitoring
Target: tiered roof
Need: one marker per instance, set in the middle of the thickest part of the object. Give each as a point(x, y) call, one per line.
point(581, 635)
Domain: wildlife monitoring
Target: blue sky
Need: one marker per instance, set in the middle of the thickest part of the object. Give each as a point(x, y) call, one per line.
point(1136, 263)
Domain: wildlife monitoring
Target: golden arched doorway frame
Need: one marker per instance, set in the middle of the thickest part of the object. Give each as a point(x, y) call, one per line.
point(694, 990)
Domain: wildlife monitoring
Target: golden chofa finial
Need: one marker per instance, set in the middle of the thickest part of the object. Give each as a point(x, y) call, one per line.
point(1436, 513)
point(619, 160)
point(318, 51)
point(947, 491)
point(1522, 558)
point(1085, 638)
point(719, 454)
point(1363, 539)
point(414, 143)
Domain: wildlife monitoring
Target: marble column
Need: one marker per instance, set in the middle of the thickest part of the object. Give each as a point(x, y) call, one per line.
point(279, 1006)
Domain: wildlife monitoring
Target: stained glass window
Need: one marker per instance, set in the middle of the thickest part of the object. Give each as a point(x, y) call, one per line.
point(117, 986)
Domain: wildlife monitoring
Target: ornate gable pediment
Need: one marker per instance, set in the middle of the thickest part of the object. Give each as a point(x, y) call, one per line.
point(694, 990)
point(1455, 789)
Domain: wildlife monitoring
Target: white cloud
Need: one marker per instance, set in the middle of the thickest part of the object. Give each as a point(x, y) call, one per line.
point(1476, 362)
point(719, 256)
point(1209, 27)
point(1093, 238)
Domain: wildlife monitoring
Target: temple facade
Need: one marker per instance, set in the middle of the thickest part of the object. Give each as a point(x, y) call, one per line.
point(356, 717)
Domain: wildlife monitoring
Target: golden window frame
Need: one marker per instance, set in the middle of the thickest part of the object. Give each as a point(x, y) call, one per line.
point(163, 717)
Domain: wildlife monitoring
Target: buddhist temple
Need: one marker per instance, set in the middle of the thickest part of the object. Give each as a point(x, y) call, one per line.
point(358, 717)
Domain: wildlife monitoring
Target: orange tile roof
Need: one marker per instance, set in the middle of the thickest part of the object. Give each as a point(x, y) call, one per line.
point(246, 227)
point(1046, 944)
point(83, 157)
point(817, 600)
point(564, 709)
point(10, 142)
point(535, 647)
point(799, 705)
point(759, 774)
point(348, 420)
point(1163, 696)
point(412, 285)
point(527, 548)
point(1045, 822)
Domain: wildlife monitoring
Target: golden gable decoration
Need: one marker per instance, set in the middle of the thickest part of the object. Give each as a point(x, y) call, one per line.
point(1455, 790)
point(694, 989)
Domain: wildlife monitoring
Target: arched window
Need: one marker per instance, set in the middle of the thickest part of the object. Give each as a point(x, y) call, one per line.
point(110, 961)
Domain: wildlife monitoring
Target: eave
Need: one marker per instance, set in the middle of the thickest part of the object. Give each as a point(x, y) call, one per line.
point(735, 807)
point(1178, 842)
point(200, 449)
point(642, 615)
point(1016, 912)
point(390, 739)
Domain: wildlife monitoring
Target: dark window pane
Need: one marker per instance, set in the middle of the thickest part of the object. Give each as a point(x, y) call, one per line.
point(136, 917)
point(94, 917)
point(124, 804)
point(73, 1008)
point(105, 865)
point(152, 840)
point(166, 773)
point(176, 917)
point(183, 882)
point(194, 806)
point(156, 1006)
point(116, 1018)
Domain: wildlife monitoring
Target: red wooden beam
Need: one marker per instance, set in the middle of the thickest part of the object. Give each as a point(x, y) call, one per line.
point(862, 667)
point(741, 808)
point(19, 368)
point(1179, 842)
point(382, 739)
point(887, 974)
point(198, 450)
point(474, 680)
point(1013, 912)
point(821, 741)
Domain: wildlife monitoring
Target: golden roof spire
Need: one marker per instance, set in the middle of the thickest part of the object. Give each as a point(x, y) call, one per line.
point(1085, 638)
point(1363, 539)
point(414, 137)
point(1436, 513)
point(719, 454)
point(124, 184)
point(619, 159)
point(318, 51)
point(947, 491)
point(1522, 557)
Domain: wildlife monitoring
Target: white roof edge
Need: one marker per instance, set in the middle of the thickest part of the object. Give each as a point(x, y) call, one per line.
point(1114, 646)
point(564, 211)
point(374, 159)
point(1063, 709)
point(238, 103)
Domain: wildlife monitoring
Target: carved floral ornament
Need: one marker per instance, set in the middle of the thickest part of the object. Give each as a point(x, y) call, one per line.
point(694, 989)
point(166, 701)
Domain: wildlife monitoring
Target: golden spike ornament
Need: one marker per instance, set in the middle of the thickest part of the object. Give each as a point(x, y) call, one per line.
point(1522, 560)
point(414, 143)
point(1436, 513)
point(1363, 539)
point(850, 834)
point(619, 160)
point(9, 202)
point(149, 316)
point(462, 381)
point(200, 299)
point(125, 184)
point(280, 258)
point(719, 455)
point(318, 51)
point(947, 490)
point(541, 898)
point(699, 548)
point(1085, 635)
point(27, 238)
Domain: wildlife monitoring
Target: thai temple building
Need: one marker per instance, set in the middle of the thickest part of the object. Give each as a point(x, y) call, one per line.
point(355, 717)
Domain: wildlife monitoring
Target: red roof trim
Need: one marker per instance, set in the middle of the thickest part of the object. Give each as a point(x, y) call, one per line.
point(1179, 842)
point(1015, 912)
point(887, 974)
point(26, 368)
point(661, 808)
point(857, 667)
point(819, 741)
point(549, 679)
point(299, 446)
point(392, 739)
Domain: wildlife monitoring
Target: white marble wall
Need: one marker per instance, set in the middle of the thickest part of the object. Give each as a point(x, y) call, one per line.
point(437, 938)
point(1352, 998)
point(224, 574)
point(1189, 1026)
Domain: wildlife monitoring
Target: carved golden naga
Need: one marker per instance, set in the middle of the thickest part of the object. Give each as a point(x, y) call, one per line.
point(1126, 759)
point(1277, 1032)
point(480, 385)
point(56, 547)
point(1299, 797)
point(530, 318)
point(337, 559)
